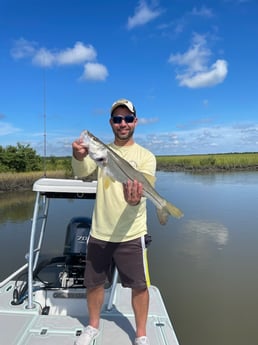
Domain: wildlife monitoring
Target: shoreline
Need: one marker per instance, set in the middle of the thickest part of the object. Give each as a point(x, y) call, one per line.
point(208, 169)
point(24, 181)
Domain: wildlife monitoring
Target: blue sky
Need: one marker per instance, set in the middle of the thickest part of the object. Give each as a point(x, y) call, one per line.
point(190, 68)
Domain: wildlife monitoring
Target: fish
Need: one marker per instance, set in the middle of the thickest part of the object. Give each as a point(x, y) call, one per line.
point(115, 168)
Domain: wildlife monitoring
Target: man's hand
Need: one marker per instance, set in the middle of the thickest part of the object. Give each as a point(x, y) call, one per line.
point(132, 192)
point(79, 150)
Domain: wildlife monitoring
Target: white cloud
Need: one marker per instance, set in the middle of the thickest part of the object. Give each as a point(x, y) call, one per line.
point(23, 48)
point(143, 15)
point(79, 54)
point(215, 75)
point(69, 56)
point(94, 71)
point(43, 58)
point(7, 128)
point(144, 121)
point(203, 140)
point(196, 72)
point(76, 55)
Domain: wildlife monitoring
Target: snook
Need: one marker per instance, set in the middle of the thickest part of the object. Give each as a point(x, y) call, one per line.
point(120, 170)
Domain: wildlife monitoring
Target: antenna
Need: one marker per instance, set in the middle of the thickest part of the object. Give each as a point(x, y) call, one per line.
point(45, 124)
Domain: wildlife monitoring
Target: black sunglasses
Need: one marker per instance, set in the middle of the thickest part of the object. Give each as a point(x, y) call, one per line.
point(118, 118)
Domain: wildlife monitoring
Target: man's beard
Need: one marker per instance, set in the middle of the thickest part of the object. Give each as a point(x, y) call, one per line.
point(124, 137)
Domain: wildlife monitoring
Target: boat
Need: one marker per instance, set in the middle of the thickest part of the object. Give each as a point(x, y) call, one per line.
point(44, 301)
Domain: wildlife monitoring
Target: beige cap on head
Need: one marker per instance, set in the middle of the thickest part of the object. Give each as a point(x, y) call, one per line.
point(123, 102)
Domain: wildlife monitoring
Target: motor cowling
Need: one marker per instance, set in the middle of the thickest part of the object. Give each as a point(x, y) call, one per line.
point(75, 249)
point(77, 234)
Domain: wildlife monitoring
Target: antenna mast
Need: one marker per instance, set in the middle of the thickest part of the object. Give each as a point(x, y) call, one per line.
point(45, 125)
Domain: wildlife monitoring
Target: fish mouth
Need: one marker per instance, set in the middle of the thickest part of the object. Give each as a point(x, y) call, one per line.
point(100, 159)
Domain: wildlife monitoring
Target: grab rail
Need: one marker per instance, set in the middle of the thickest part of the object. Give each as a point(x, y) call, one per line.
point(34, 251)
point(11, 276)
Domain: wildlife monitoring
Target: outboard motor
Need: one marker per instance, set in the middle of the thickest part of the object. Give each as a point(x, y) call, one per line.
point(77, 234)
point(75, 249)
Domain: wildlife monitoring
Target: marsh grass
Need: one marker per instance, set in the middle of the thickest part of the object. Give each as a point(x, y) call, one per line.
point(23, 181)
point(209, 162)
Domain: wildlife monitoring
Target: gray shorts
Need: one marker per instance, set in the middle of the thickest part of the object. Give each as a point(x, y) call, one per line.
point(129, 257)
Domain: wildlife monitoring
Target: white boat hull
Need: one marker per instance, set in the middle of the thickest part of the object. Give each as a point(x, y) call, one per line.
point(68, 316)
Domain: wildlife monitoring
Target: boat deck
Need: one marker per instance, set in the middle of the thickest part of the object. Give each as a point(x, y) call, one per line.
point(22, 326)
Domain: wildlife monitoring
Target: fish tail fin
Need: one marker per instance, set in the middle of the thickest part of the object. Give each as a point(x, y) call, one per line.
point(173, 210)
point(166, 210)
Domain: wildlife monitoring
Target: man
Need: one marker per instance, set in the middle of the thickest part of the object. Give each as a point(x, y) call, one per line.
point(119, 218)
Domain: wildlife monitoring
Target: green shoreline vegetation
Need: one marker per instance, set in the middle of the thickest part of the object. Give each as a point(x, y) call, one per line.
point(60, 167)
point(209, 162)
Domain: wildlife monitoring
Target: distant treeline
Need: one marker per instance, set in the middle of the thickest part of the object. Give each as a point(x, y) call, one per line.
point(22, 158)
point(21, 166)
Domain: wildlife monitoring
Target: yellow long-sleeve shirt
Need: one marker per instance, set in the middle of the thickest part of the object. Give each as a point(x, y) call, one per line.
point(113, 218)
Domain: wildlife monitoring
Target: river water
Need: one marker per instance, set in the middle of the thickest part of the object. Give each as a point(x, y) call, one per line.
point(204, 264)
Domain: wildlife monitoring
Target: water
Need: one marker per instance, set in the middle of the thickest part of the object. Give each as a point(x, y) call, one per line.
point(205, 264)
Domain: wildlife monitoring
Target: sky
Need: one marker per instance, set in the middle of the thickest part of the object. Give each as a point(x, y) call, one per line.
point(189, 67)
